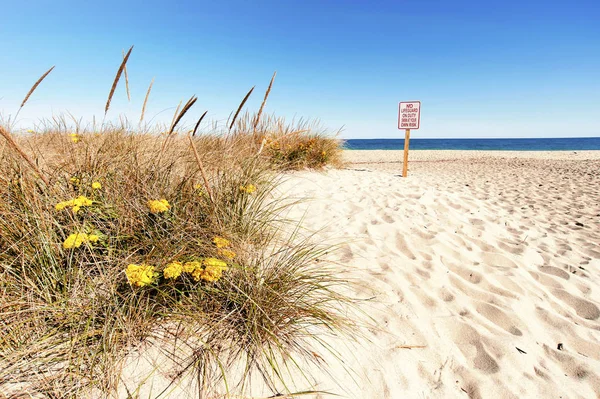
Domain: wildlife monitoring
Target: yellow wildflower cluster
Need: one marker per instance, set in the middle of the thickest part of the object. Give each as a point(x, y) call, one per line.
point(222, 244)
point(75, 181)
point(74, 137)
point(250, 188)
point(158, 206)
point(173, 270)
point(75, 204)
point(141, 275)
point(76, 239)
point(229, 254)
point(96, 185)
point(208, 269)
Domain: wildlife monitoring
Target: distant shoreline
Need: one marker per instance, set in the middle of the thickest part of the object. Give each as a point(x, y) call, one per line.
point(498, 144)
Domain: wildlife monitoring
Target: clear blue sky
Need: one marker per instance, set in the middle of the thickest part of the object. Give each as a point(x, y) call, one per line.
point(480, 68)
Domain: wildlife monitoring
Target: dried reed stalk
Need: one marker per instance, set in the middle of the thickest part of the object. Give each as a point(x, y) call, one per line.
point(114, 85)
point(185, 109)
point(198, 123)
point(126, 78)
point(176, 119)
point(22, 153)
point(257, 119)
point(35, 85)
point(146, 100)
point(240, 107)
point(174, 116)
point(202, 172)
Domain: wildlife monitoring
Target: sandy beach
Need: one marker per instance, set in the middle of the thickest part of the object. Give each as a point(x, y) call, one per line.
point(482, 270)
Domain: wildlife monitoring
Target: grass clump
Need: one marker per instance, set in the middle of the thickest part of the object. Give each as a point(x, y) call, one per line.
point(111, 240)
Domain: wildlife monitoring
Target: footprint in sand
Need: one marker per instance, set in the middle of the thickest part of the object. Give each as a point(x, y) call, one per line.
point(446, 295)
point(583, 308)
point(555, 271)
point(403, 247)
point(497, 260)
point(498, 317)
point(468, 341)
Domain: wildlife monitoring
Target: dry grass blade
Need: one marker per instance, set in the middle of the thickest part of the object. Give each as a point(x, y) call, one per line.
point(146, 100)
point(176, 118)
point(264, 101)
point(185, 109)
point(114, 85)
point(35, 85)
point(198, 123)
point(22, 153)
point(240, 107)
point(126, 78)
point(202, 172)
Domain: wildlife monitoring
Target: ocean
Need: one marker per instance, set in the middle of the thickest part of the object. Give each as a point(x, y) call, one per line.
point(546, 144)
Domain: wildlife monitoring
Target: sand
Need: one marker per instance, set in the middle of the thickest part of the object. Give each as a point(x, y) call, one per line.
point(482, 270)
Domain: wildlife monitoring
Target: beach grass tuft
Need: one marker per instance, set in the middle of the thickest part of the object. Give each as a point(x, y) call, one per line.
point(111, 240)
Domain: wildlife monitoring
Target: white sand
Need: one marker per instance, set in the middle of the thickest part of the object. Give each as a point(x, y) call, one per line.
point(477, 266)
point(476, 257)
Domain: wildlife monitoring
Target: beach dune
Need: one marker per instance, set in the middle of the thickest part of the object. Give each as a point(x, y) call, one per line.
point(481, 271)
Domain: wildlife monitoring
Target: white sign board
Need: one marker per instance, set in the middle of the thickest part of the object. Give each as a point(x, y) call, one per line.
point(409, 115)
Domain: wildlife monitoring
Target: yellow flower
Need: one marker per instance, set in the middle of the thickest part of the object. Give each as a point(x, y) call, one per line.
point(30, 131)
point(140, 275)
point(75, 240)
point(227, 253)
point(215, 263)
point(75, 180)
point(158, 206)
point(74, 137)
point(93, 237)
point(197, 274)
point(82, 201)
point(96, 185)
point(76, 204)
point(62, 205)
point(250, 188)
point(213, 269)
point(197, 186)
point(221, 242)
point(173, 270)
point(190, 267)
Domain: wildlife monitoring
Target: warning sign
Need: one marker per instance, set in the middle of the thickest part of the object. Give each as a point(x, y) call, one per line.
point(409, 115)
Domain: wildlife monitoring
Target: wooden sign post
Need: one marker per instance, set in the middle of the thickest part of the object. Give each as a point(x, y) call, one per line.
point(405, 165)
point(409, 117)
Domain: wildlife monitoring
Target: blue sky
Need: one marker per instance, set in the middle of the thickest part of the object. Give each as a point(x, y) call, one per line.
point(480, 68)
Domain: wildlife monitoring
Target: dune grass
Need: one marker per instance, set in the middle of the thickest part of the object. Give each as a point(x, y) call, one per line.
point(111, 238)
